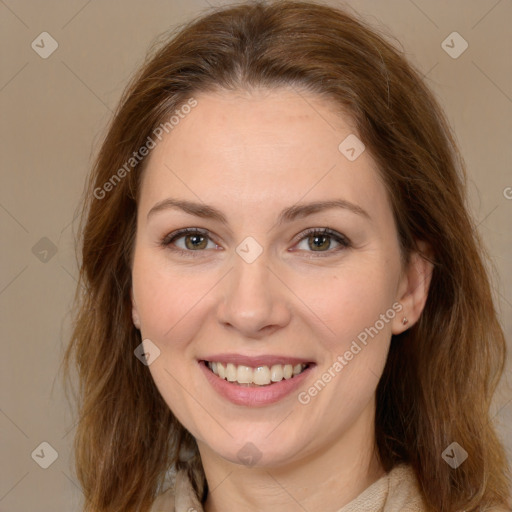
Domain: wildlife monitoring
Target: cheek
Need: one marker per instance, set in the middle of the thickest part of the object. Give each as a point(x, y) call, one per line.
point(166, 297)
point(170, 307)
point(356, 308)
point(352, 301)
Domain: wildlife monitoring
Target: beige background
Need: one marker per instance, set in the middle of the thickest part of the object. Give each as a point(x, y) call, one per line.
point(53, 112)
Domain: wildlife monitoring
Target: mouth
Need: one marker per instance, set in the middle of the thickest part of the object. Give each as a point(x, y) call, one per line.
point(257, 376)
point(255, 381)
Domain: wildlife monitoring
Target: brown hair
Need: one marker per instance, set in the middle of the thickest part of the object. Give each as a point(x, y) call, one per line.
point(440, 374)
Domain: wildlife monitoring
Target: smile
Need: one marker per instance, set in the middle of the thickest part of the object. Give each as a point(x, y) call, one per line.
point(252, 377)
point(255, 381)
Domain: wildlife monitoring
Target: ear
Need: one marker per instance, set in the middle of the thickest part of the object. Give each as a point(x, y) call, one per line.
point(135, 313)
point(413, 288)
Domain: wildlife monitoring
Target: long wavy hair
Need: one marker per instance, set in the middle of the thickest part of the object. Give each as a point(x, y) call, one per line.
point(440, 374)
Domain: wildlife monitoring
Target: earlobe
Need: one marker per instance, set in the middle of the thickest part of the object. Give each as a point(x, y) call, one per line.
point(413, 288)
point(135, 314)
point(135, 318)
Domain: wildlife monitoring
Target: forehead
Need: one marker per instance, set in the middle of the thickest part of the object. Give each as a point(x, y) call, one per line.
point(261, 147)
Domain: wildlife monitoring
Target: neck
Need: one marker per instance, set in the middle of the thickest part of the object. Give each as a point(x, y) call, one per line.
point(325, 480)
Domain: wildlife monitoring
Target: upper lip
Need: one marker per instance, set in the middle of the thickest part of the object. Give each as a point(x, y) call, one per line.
point(255, 361)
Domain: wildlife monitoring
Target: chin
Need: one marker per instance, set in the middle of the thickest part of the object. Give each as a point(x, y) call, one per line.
point(257, 451)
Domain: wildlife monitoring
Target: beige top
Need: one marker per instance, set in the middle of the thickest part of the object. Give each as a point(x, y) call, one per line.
point(397, 490)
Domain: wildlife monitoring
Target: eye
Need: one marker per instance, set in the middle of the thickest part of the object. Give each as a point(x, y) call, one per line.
point(319, 239)
point(195, 240)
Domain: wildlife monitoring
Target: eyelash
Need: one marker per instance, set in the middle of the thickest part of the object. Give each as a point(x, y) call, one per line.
point(172, 237)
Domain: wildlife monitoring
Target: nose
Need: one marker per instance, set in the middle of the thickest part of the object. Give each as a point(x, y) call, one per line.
point(255, 301)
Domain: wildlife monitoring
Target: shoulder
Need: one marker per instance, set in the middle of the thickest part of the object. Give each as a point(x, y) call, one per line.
point(396, 490)
point(179, 496)
point(404, 491)
point(164, 502)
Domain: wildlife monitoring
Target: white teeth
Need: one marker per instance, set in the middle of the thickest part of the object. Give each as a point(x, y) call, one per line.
point(260, 376)
point(277, 373)
point(244, 375)
point(297, 369)
point(230, 372)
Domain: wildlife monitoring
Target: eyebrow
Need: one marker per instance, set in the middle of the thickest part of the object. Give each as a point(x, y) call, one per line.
point(287, 215)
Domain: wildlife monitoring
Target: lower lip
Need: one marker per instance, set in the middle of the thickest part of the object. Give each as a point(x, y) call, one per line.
point(254, 396)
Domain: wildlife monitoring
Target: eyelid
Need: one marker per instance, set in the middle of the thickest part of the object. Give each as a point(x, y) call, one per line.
point(340, 238)
point(169, 239)
point(322, 231)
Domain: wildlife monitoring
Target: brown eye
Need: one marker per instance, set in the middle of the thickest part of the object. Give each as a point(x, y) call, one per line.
point(321, 240)
point(195, 240)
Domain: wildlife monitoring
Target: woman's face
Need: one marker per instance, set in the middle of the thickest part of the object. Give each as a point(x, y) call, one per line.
point(255, 290)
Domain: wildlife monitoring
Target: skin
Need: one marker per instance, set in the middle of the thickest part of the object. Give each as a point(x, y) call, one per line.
point(251, 155)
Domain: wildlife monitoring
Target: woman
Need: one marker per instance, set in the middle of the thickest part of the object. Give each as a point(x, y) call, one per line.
point(286, 305)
